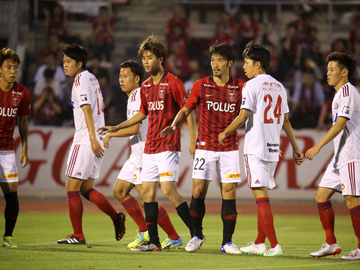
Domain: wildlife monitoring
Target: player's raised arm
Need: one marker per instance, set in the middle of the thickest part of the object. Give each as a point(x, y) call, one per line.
point(95, 145)
point(329, 136)
point(126, 132)
point(180, 118)
point(297, 154)
point(237, 123)
point(23, 130)
point(136, 119)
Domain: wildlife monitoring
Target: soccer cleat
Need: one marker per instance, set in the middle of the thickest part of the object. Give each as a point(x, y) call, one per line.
point(8, 241)
point(119, 224)
point(326, 250)
point(274, 252)
point(353, 255)
point(230, 248)
point(147, 247)
point(170, 243)
point(71, 239)
point(140, 239)
point(254, 249)
point(194, 244)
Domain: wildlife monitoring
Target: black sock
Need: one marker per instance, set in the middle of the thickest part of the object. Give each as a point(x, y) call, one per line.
point(11, 212)
point(151, 217)
point(197, 213)
point(228, 215)
point(184, 214)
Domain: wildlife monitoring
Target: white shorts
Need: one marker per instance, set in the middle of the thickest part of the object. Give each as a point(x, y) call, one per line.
point(82, 163)
point(160, 167)
point(345, 180)
point(8, 169)
point(259, 173)
point(128, 174)
point(225, 163)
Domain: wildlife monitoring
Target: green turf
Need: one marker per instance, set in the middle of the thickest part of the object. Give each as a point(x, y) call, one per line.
point(36, 235)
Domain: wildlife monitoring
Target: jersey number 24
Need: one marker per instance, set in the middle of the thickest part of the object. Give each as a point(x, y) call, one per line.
point(277, 110)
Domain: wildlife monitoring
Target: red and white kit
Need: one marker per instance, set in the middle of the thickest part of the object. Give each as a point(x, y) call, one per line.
point(218, 107)
point(82, 162)
point(266, 99)
point(343, 172)
point(12, 103)
point(161, 103)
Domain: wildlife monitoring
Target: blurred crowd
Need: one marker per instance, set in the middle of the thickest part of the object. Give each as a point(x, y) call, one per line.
point(298, 61)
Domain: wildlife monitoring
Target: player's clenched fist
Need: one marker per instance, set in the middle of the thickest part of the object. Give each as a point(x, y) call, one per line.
point(312, 152)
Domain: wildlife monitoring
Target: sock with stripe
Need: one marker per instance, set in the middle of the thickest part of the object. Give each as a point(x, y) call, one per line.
point(261, 235)
point(165, 223)
point(228, 216)
point(355, 218)
point(151, 216)
point(197, 213)
point(11, 212)
point(327, 218)
point(184, 213)
point(76, 212)
point(101, 202)
point(132, 207)
point(266, 219)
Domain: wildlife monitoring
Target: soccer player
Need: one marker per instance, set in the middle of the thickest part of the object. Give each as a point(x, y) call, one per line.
point(85, 157)
point(14, 100)
point(131, 74)
point(265, 110)
point(162, 96)
point(343, 172)
point(219, 99)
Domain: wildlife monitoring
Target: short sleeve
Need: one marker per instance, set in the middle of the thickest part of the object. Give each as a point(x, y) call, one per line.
point(82, 92)
point(346, 103)
point(193, 99)
point(248, 97)
point(25, 105)
point(179, 93)
point(143, 105)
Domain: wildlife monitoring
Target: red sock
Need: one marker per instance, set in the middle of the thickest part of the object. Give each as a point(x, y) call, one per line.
point(75, 212)
point(261, 235)
point(101, 202)
point(327, 218)
point(165, 223)
point(267, 220)
point(355, 218)
point(132, 207)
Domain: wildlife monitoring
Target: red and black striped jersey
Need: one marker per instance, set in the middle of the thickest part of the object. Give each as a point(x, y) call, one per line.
point(218, 107)
point(12, 103)
point(161, 103)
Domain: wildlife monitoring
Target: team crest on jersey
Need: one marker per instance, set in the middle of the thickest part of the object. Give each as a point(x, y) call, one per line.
point(162, 93)
point(231, 96)
point(336, 105)
point(15, 101)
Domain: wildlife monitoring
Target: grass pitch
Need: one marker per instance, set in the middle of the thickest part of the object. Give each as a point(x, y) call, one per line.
point(36, 235)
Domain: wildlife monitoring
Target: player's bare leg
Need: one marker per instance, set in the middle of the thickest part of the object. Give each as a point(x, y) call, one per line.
point(353, 204)
point(327, 217)
point(266, 220)
point(228, 216)
point(11, 212)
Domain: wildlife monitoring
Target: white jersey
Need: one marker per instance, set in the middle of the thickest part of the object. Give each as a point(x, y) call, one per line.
point(346, 103)
point(86, 91)
point(266, 99)
point(137, 141)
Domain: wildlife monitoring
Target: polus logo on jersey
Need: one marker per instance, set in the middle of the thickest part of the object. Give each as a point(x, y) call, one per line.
point(220, 106)
point(156, 105)
point(11, 112)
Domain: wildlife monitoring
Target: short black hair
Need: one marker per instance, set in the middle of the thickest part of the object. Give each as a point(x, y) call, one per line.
point(257, 53)
point(223, 49)
point(76, 52)
point(135, 68)
point(344, 61)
